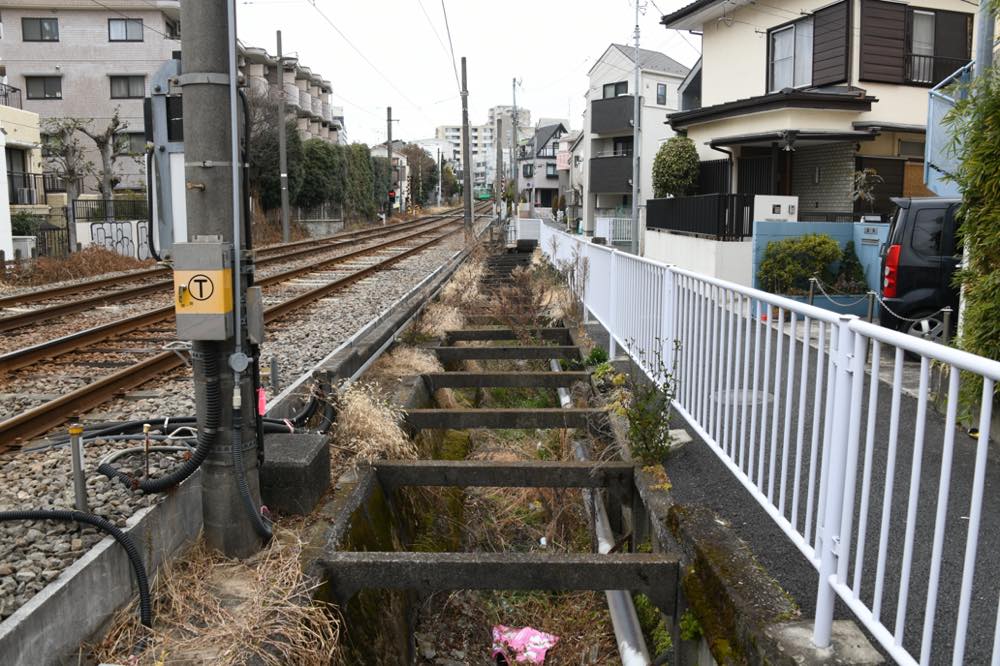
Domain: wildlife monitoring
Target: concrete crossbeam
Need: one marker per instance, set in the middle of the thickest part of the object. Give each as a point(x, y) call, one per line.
point(505, 353)
point(518, 474)
point(460, 419)
point(560, 335)
point(439, 380)
point(655, 575)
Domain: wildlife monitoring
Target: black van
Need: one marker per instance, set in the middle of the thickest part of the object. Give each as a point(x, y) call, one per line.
point(918, 264)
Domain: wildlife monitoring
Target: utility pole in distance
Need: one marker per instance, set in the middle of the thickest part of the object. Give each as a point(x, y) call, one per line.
point(388, 154)
point(286, 231)
point(635, 142)
point(513, 136)
point(212, 200)
point(498, 178)
point(466, 160)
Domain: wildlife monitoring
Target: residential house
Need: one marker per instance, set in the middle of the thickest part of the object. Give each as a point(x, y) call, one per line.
point(85, 60)
point(307, 93)
point(538, 175)
point(819, 92)
point(608, 132)
point(569, 165)
point(22, 185)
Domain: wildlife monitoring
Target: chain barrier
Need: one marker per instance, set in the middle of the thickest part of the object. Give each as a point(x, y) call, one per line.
point(819, 284)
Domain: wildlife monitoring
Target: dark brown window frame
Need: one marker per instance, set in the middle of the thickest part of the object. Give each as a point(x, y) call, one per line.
point(111, 83)
point(615, 84)
point(142, 29)
point(24, 19)
point(27, 87)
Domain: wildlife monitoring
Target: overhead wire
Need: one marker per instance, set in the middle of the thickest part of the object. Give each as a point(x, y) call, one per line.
point(451, 44)
point(132, 18)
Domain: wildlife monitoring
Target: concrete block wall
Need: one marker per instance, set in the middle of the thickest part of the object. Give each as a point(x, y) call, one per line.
point(836, 177)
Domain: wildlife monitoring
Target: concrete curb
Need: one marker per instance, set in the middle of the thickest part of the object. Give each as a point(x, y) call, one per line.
point(50, 627)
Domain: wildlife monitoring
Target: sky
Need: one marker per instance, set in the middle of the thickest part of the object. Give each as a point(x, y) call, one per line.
point(396, 53)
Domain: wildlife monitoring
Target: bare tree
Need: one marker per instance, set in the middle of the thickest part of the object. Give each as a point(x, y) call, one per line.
point(112, 145)
point(66, 158)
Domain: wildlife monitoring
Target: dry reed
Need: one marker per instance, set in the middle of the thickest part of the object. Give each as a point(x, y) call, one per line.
point(88, 262)
point(369, 427)
point(404, 360)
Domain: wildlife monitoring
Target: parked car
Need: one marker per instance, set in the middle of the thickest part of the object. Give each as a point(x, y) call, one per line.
point(918, 266)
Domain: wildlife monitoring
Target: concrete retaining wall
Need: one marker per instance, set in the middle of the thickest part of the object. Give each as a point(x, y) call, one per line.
point(77, 605)
point(732, 261)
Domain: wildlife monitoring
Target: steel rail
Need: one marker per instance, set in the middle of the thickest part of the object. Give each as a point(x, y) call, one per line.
point(26, 356)
point(23, 319)
point(312, 245)
point(44, 417)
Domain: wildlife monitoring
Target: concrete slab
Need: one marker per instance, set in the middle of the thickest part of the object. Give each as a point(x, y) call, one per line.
point(439, 380)
point(296, 472)
point(560, 335)
point(848, 644)
point(517, 474)
point(460, 419)
point(508, 353)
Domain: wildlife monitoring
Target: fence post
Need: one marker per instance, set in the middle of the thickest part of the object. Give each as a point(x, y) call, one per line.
point(613, 302)
point(830, 529)
point(667, 318)
point(586, 251)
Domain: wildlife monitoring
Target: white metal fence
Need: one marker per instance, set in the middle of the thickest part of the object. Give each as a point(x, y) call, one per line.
point(615, 229)
point(810, 411)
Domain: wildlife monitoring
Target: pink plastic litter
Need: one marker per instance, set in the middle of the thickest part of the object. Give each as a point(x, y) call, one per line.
point(261, 401)
point(524, 645)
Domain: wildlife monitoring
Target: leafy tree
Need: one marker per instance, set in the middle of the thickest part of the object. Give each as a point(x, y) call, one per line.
point(449, 183)
point(265, 175)
point(423, 173)
point(360, 194)
point(675, 168)
point(324, 178)
point(865, 182)
point(382, 181)
point(851, 275)
point(976, 134)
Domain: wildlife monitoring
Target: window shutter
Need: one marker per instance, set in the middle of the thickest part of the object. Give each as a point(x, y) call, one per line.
point(952, 42)
point(831, 40)
point(883, 41)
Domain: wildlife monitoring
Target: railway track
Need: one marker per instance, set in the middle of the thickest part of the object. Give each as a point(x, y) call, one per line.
point(152, 329)
point(158, 279)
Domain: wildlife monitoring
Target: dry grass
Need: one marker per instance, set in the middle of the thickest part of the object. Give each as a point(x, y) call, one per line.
point(463, 289)
point(405, 360)
point(437, 319)
point(88, 262)
point(210, 609)
point(369, 427)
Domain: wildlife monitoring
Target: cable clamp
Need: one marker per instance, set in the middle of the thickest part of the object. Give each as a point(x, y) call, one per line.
point(203, 78)
point(177, 347)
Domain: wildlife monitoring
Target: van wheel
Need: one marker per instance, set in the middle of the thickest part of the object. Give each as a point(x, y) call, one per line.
point(929, 326)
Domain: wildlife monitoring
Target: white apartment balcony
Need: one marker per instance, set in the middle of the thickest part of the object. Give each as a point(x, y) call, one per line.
point(291, 95)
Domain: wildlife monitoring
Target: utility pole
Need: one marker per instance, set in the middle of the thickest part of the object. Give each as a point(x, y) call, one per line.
point(388, 154)
point(213, 201)
point(498, 178)
point(286, 231)
point(440, 176)
point(635, 142)
point(466, 160)
point(513, 136)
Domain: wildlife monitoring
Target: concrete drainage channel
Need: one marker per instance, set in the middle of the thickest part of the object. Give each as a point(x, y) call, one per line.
point(519, 508)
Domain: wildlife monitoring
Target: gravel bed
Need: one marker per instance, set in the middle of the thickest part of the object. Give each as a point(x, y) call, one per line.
point(34, 553)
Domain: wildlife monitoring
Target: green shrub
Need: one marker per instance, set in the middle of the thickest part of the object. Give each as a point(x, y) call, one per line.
point(596, 357)
point(789, 263)
point(851, 274)
point(675, 167)
point(23, 223)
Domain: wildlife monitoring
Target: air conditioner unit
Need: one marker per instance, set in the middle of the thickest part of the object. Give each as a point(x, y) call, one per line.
point(26, 195)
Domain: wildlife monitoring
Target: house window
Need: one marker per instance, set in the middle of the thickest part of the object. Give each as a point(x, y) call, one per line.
point(528, 170)
point(173, 30)
point(790, 56)
point(40, 29)
point(124, 30)
point(922, 47)
point(550, 170)
point(615, 89)
point(133, 143)
point(128, 87)
point(623, 146)
point(43, 87)
point(661, 94)
point(911, 148)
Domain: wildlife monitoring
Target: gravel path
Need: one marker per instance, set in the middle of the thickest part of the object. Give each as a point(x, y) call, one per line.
point(34, 553)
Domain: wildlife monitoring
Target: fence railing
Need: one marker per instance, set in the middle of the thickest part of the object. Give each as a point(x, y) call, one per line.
point(719, 216)
point(25, 188)
point(615, 229)
point(810, 411)
point(10, 96)
point(87, 210)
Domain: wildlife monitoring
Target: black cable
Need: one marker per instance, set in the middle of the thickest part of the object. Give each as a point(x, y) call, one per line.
point(149, 205)
point(262, 529)
point(145, 604)
point(204, 356)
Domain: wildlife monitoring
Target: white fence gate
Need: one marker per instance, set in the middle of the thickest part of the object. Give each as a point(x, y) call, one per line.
point(806, 409)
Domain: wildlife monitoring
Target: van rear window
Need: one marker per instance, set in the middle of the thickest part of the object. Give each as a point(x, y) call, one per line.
point(928, 231)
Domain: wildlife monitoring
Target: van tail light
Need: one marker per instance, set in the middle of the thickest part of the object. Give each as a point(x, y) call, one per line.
point(891, 276)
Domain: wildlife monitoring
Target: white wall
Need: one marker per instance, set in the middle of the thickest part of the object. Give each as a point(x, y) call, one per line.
point(732, 261)
point(6, 243)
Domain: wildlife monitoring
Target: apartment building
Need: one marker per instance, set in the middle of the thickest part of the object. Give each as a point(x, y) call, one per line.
point(22, 186)
point(84, 60)
point(481, 151)
point(307, 93)
point(608, 127)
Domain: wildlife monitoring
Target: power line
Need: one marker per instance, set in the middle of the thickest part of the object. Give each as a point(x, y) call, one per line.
point(447, 28)
point(365, 58)
point(433, 29)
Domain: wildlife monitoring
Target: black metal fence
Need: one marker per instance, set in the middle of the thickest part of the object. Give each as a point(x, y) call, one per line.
point(727, 217)
point(88, 210)
point(10, 96)
point(52, 242)
point(25, 189)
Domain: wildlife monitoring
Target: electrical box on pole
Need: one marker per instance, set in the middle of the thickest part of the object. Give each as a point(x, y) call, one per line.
point(203, 290)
